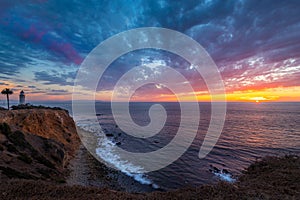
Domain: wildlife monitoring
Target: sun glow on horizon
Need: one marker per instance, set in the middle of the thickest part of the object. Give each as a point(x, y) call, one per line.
point(279, 94)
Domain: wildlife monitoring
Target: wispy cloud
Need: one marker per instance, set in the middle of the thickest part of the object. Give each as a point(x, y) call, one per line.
point(49, 78)
point(252, 42)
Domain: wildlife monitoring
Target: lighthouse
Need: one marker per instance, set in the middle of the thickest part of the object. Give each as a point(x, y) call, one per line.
point(22, 97)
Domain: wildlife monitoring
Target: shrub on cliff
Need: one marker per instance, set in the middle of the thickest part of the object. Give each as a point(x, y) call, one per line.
point(29, 106)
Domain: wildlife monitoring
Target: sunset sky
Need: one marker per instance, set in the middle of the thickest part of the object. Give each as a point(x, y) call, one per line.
point(255, 45)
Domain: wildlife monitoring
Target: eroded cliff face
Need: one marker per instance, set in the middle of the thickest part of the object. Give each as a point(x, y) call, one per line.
point(36, 143)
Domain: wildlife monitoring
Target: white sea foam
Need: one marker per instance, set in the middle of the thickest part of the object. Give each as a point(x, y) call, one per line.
point(225, 177)
point(105, 151)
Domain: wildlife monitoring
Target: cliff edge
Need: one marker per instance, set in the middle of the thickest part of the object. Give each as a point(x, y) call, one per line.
point(36, 144)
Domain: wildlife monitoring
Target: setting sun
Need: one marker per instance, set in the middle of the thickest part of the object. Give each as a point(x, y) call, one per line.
point(258, 99)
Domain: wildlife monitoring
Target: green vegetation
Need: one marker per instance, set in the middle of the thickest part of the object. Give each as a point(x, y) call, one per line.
point(29, 106)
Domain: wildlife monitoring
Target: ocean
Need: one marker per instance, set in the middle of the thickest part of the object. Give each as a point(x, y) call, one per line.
point(251, 131)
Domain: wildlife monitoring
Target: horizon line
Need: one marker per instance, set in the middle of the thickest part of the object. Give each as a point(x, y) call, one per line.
point(249, 101)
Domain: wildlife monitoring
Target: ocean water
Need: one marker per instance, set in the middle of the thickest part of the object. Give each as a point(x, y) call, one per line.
point(251, 131)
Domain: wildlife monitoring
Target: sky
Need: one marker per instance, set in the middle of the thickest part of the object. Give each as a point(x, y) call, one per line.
point(255, 45)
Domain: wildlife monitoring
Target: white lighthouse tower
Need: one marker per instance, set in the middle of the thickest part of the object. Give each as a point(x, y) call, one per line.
point(22, 97)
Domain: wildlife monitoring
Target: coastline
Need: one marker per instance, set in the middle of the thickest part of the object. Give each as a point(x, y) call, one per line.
point(79, 175)
point(86, 171)
point(270, 178)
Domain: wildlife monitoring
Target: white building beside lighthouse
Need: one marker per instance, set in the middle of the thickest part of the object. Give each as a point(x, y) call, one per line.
point(22, 97)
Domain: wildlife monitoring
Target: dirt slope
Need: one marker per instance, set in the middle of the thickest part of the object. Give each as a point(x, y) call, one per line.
point(36, 144)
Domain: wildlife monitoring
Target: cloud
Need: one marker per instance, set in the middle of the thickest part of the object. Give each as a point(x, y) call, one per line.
point(244, 28)
point(59, 90)
point(50, 78)
point(1, 83)
point(257, 73)
point(36, 92)
point(18, 23)
point(49, 39)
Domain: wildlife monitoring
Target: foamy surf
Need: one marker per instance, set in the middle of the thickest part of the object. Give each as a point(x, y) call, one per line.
point(105, 151)
point(225, 177)
point(222, 174)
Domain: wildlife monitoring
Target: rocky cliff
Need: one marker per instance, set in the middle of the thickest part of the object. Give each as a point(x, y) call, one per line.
point(36, 143)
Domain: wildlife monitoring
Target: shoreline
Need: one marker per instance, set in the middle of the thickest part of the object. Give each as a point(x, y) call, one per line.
point(39, 163)
point(269, 178)
point(87, 171)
